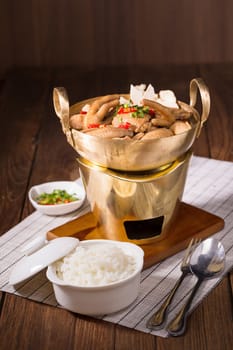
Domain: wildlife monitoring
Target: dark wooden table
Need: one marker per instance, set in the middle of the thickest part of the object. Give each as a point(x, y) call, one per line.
point(33, 149)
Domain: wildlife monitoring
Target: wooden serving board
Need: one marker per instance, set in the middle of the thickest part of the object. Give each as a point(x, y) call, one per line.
point(190, 222)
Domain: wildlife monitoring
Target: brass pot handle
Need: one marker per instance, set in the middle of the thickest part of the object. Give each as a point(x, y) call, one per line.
point(61, 106)
point(62, 109)
point(196, 84)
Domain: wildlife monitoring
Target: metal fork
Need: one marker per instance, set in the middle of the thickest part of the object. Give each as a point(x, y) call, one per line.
point(158, 319)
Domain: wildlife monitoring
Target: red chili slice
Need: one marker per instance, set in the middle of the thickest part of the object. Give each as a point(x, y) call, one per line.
point(120, 110)
point(125, 110)
point(125, 125)
point(93, 126)
point(151, 112)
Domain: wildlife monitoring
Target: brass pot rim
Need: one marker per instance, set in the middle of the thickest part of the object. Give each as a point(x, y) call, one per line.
point(132, 155)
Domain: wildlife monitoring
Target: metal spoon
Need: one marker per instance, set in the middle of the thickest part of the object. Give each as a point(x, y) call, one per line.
point(158, 319)
point(207, 260)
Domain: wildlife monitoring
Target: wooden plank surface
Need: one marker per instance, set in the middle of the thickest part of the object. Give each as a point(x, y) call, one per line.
point(50, 33)
point(34, 150)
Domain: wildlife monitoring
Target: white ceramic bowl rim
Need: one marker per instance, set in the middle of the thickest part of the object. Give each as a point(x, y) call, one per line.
point(52, 276)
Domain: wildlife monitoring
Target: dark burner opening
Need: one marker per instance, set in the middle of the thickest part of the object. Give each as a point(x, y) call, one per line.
point(142, 229)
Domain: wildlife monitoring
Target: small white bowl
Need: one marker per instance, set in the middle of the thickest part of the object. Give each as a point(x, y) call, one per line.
point(70, 187)
point(103, 299)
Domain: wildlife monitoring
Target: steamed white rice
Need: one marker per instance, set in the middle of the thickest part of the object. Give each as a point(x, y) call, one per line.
point(95, 265)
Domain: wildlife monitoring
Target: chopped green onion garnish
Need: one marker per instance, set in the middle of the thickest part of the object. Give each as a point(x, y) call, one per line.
point(56, 197)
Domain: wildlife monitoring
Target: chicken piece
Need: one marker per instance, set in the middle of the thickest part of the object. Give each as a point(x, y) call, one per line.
point(162, 121)
point(171, 114)
point(144, 128)
point(138, 136)
point(127, 118)
point(76, 121)
point(101, 107)
point(109, 132)
point(98, 110)
point(157, 133)
point(180, 126)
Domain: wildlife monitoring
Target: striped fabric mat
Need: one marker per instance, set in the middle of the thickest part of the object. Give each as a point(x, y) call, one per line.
point(209, 186)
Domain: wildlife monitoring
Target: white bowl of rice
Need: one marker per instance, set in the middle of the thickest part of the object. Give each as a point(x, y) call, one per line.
point(99, 277)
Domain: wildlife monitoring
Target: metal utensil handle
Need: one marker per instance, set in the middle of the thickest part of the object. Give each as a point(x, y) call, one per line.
point(157, 320)
point(178, 325)
point(195, 85)
point(61, 106)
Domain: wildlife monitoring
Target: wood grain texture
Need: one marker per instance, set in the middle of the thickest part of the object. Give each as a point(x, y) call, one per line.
point(57, 33)
point(34, 149)
point(19, 144)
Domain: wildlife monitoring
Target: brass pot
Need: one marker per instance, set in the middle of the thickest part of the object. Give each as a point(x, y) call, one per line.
point(132, 155)
point(135, 207)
